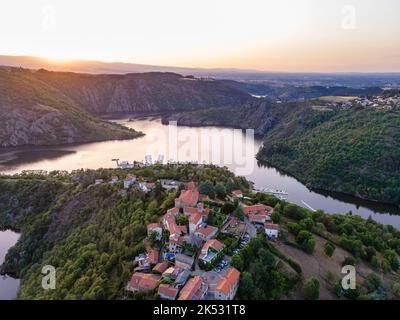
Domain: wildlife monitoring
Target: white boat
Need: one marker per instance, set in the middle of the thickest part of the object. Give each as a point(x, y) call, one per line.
point(281, 194)
point(275, 192)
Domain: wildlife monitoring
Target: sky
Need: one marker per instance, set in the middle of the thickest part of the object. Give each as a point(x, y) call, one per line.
point(269, 35)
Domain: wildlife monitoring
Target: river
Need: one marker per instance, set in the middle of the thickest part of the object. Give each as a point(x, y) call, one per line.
point(8, 285)
point(158, 137)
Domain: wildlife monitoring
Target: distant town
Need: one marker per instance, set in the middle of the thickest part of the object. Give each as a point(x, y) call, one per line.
point(375, 102)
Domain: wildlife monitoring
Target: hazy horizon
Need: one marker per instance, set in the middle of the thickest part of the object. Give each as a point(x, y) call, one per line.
point(258, 35)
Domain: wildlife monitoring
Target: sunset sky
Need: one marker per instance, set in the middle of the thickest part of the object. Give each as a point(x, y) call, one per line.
point(284, 35)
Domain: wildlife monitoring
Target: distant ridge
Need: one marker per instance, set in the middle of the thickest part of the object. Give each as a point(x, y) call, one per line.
point(99, 67)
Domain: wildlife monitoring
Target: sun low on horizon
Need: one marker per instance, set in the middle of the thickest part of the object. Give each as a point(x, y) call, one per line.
point(285, 35)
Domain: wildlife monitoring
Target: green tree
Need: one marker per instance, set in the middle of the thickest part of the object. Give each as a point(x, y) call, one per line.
point(237, 262)
point(220, 190)
point(372, 282)
point(349, 261)
point(276, 217)
point(329, 249)
point(391, 256)
point(227, 207)
point(182, 220)
point(310, 289)
point(207, 187)
point(238, 213)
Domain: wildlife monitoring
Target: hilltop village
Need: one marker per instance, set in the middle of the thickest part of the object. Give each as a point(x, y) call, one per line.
point(184, 258)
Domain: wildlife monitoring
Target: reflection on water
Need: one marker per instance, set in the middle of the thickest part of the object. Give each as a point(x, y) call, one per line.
point(99, 155)
point(14, 158)
point(8, 286)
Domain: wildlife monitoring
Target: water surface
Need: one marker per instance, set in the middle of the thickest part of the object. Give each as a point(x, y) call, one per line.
point(8, 285)
point(158, 141)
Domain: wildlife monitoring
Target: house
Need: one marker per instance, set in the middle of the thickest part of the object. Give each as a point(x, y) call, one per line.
point(203, 197)
point(257, 209)
point(187, 198)
point(192, 186)
point(183, 261)
point(195, 289)
point(143, 263)
point(171, 225)
point(271, 230)
point(174, 211)
point(153, 257)
point(160, 267)
point(169, 274)
point(155, 227)
point(182, 278)
point(188, 211)
point(211, 251)
point(98, 181)
point(236, 194)
point(129, 180)
point(150, 185)
point(260, 218)
point(114, 179)
point(195, 221)
point(167, 292)
point(193, 240)
point(175, 243)
point(227, 286)
point(142, 282)
point(207, 232)
point(142, 187)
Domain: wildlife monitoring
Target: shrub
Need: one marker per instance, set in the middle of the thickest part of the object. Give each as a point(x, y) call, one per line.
point(310, 289)
point(329, 249)
point(349, 261)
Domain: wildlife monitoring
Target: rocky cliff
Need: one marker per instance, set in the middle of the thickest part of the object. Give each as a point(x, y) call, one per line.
point(35, 113)
point(142, 92)
point(260, 115)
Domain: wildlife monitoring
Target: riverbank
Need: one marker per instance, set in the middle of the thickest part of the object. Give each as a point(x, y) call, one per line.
point(378, 206)
point(8, 285)
point(99, 154)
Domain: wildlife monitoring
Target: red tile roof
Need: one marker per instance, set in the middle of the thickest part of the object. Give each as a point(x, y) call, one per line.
point(194, 289)
point(153, 226)
point(171, 225)
point(228, 281)
point(213, 243)
point(153, 257)
point(143, 281)
point(261, 217)
point(189, 197)
point(195, 218)
point(192, 186)
point(237, 193)
point(206, 231)
point(203, 197)
point(167, 291)
point(173, 211)
point(271, 226)
point(257, 208)
point(190, 210)
point(161, 267)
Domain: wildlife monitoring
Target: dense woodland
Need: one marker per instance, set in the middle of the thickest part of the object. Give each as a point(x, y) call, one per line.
point(92, 233)
point(355, 151)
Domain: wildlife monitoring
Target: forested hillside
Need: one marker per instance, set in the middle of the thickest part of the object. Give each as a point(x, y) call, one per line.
point(353, 151)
